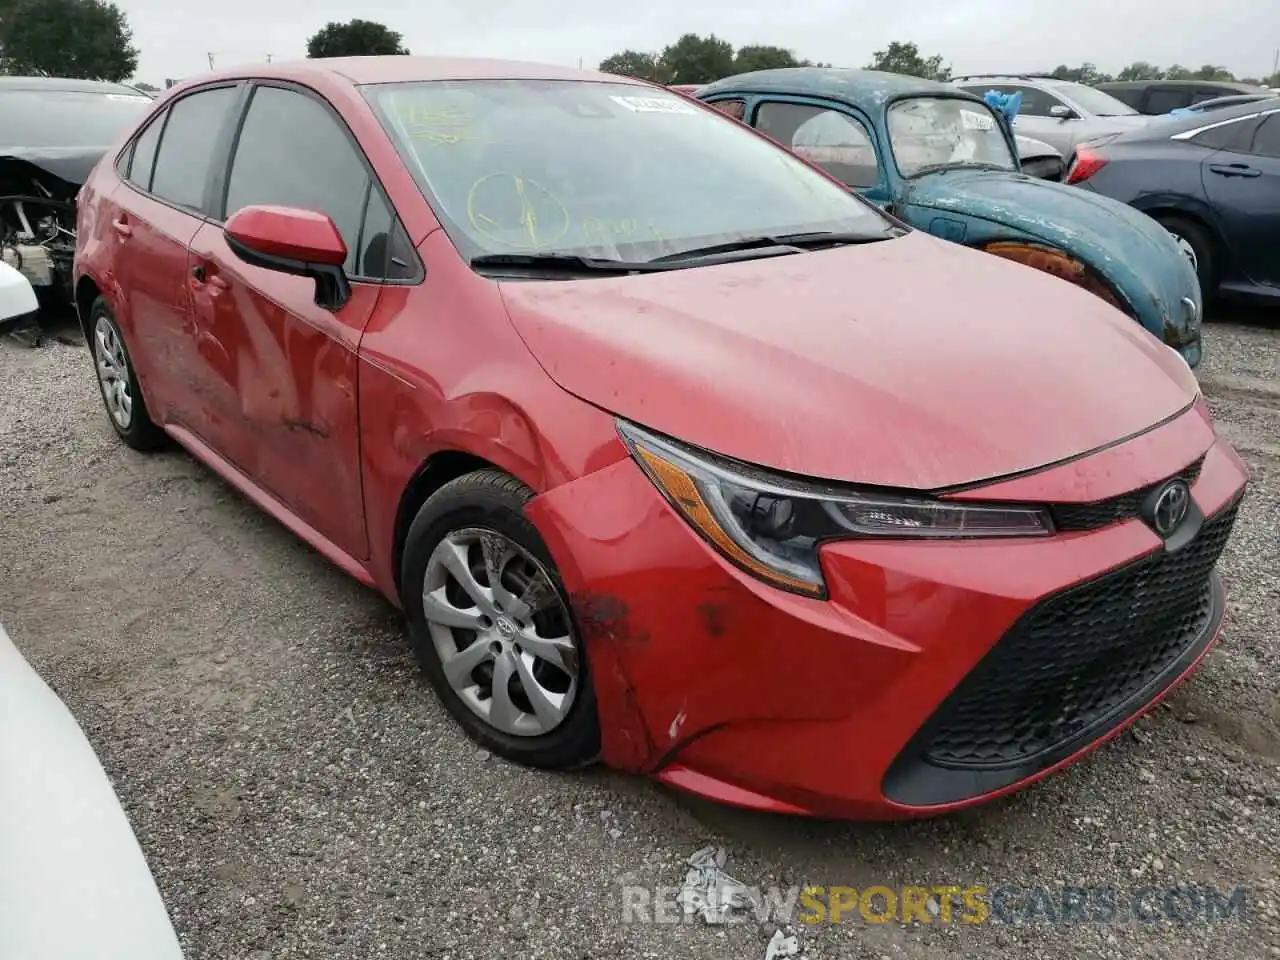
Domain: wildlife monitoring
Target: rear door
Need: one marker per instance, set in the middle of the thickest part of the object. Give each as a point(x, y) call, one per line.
point(1242, 183)
point(153, 218)
point(282, 386)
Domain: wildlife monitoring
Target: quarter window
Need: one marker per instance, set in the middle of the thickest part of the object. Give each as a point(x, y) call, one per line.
point(834, 141)
point(187, 148)
point(292, 152)
point(144, 154)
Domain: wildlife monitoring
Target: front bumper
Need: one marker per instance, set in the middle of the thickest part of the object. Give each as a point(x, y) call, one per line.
point(931, 680)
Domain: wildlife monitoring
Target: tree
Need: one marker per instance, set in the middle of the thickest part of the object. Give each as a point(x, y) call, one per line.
point(633, 63)
point(1178, 72)
point(355, 38)
point(757, 57)
point(905, 58)
point(1210, 72)
point(80, 39)
point(695, 59)
point(1141, 70)
point(1085, 73)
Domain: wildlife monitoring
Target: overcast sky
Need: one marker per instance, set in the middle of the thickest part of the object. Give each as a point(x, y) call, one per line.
point(175, 36)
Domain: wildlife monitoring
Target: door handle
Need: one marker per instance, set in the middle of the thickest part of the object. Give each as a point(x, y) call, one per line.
point(197, 272)
point(122, 227)
point(1234, 170)
point(200, 276)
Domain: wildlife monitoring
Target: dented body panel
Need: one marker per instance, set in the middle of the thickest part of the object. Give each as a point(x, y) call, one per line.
point(1138, 263)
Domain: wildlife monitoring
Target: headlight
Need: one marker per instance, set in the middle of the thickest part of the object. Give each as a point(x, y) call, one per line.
point(771, 526)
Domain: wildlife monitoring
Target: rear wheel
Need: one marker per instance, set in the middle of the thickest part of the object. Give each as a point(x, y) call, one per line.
point(1194, 243)
point(491, 624)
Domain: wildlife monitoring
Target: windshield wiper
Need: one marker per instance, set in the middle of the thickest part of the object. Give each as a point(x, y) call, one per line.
point(781, 242)
point(562, 261)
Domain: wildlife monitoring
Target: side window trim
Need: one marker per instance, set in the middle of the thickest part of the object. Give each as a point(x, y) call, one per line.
point(163, 119)
point(219, 210)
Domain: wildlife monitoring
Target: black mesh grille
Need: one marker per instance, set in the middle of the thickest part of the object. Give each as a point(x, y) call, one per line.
point(1075, 662)
point(1091, 516)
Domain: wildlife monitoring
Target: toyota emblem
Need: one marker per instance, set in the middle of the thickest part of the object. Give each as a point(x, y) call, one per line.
point(1171, 507)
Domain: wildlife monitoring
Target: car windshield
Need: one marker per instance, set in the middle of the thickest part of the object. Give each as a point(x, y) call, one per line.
point(49, 119)
point(1095, 101)
point(935, 133)
point(604, 170)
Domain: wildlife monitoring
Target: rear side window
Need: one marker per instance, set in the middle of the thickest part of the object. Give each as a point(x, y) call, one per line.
point(1164, 100)
point(144, 154)
point(293, 153)
point(187, 148)
point(1236, 135)
point(1266, 142)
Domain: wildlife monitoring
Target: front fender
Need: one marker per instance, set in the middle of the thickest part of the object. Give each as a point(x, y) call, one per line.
point(1151, 284)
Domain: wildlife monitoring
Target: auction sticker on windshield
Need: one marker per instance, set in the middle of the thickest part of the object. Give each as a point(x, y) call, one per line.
point(655, 105)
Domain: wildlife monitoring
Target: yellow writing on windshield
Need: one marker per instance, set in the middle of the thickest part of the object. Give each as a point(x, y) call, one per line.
point(447, 125)
point(516, 212)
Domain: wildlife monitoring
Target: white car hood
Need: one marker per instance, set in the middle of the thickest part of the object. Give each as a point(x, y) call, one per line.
point(74, 884)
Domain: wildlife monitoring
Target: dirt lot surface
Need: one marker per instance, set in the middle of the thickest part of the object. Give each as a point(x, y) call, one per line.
point(300, 793)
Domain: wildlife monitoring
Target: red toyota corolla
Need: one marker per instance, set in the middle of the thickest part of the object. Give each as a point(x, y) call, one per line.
point(674, 452)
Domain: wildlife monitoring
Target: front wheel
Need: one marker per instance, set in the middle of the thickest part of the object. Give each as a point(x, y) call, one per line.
point(491, 625)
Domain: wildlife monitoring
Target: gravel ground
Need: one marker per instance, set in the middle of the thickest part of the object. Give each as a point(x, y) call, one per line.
point(299, 792)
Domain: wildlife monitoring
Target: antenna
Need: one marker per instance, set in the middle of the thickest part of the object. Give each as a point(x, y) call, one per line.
point(269, 56)
point(210, 56)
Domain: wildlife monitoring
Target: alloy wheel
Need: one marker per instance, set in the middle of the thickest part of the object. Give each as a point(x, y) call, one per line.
point(502, 632)
point(113, 372)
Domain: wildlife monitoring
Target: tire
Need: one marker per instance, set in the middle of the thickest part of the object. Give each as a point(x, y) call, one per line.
point(118, 383)
point(1197, 246)
point(476, 523)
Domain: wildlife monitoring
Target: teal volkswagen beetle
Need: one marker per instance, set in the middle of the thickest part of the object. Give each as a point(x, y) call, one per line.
point(945, 162)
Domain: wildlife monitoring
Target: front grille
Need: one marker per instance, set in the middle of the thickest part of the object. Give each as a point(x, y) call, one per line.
point(1102, 513)
point(1070, 669)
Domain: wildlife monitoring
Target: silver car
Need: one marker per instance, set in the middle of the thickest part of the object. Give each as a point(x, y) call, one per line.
point(1062, 113)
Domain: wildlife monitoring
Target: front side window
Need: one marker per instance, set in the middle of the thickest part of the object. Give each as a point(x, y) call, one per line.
point(601, 169)
point(187, 148)
point(292, 153)
point(734, 108)
point(834, 141)
point(935, 133)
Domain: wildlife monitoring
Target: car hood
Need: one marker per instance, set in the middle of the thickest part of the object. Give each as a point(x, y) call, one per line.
point(72, 165)
point(1128, 248)
point(910, 363)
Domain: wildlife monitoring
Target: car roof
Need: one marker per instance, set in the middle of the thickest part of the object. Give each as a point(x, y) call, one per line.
point(1224, 85)
point(866, 89)
point(1165, 126)
point(64, 85)
point(408, 69)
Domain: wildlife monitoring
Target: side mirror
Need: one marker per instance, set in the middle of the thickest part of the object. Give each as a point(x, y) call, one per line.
point(1062, 112)
point(303, 243)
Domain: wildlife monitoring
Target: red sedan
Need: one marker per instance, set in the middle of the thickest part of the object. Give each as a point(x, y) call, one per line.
point(673, 452)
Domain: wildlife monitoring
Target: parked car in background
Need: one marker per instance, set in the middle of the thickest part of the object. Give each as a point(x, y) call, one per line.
point(52, 132)
point(1059, 112)
point(613, 395)
point(74, 884)
point(18, 302)
point(1155, 97)
point(1212, 181)
point(942, 159)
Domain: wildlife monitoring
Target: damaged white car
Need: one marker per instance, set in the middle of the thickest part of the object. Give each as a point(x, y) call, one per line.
point(52, 134)
point(18, 303)
point(74, 884)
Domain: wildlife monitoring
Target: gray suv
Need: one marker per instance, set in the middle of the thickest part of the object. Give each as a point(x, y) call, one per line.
point(1062, 113)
